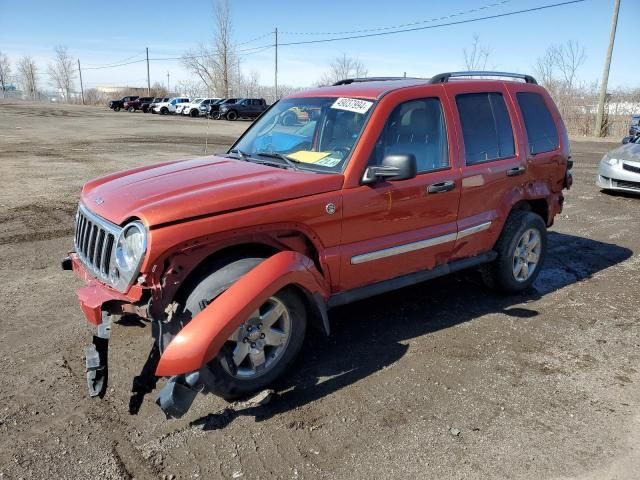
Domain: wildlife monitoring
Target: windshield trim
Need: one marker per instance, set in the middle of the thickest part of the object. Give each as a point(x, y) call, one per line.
point(307, 167)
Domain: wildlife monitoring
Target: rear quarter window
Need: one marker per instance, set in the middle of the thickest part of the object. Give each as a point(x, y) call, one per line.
point(541, 129)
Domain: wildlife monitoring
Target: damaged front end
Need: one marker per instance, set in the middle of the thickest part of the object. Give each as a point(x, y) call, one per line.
point(184, 360)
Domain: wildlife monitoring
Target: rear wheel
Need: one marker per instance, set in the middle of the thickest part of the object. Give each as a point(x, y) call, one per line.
point(131, 109)
point(264, 346)
point(164, 111)
point(521, 251)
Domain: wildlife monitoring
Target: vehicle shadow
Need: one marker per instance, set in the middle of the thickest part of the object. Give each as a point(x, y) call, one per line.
point(368, 336)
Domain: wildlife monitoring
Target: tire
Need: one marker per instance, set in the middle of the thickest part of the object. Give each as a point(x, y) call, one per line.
point(193, 112)
point(502, 274)
point(131, 109)
point(164, 111)
point(226, 384)
point(232, 115)
point(116, 109)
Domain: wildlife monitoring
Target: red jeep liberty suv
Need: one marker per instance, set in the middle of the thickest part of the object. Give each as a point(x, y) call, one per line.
point(378, 183)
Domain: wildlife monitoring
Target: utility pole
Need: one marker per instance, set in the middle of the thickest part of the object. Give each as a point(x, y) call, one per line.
point(276, 72)
point(605, 72)
point(148, 77)
point(81, 87)
point(168, 88)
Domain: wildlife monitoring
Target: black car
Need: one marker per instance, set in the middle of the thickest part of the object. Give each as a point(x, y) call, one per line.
point(117, 105)
point(634, 129)
point(214, 110)
point(244, 108)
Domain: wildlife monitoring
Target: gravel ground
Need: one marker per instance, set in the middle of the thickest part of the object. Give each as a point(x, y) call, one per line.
point(441, 380)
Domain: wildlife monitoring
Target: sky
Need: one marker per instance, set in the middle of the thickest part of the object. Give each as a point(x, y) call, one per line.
point(100, 35)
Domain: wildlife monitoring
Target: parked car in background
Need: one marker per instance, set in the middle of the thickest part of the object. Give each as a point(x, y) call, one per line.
point(198, 106)
point(145, 104)
point(214, 111)
point(634, 128)
point(244, 108)
point(388, 183)
point(155, 102)
point(180, 107)
point(117, 105)
point(619, 169)
point(133, 105)
point(164, 108)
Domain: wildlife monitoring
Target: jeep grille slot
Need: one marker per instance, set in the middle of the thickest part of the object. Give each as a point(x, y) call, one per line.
point(94, 242)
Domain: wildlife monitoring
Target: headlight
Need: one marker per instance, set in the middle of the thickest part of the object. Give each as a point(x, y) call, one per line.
point(611, 161)
point(131, 246)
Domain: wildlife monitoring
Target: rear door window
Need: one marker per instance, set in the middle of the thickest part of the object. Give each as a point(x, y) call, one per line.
point(541, 129)
point(486, 127)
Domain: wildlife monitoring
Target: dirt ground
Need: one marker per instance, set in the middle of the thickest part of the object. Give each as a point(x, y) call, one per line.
point(441, 380)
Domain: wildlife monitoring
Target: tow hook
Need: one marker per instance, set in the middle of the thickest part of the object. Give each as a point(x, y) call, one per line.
point(96, 358)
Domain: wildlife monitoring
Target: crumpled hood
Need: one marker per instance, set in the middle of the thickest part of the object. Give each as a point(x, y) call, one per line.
point(174, 191)
point(629, 152)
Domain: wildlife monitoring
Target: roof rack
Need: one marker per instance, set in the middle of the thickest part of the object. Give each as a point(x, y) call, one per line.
point(347, 81)
point(444, 77)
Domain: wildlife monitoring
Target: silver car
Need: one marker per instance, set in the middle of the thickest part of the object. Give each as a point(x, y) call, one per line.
point(619, 169)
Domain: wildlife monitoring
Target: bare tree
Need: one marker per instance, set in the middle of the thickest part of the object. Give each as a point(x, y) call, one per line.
point(569, 58)
point(28, 72)
point(343, 67)
point(5, 73)
point(216, 66)
point(191, 88)
point(477, 56)
point(63, 72)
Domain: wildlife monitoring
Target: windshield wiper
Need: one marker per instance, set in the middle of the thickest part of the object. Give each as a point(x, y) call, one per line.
point(280, 156)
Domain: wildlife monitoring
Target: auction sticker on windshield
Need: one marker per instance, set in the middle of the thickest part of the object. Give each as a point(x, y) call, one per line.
point(352, 105)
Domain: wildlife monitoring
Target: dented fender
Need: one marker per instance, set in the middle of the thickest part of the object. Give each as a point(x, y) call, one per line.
point(203, 337)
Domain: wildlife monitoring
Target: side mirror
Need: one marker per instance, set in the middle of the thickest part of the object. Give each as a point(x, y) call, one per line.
point(394, 167)
point(626, 140)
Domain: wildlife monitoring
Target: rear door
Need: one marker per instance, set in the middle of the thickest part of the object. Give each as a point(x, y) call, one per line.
point(493, 162)
point(393, 228)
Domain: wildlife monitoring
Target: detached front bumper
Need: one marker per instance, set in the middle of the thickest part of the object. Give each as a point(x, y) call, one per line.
point(96, 297)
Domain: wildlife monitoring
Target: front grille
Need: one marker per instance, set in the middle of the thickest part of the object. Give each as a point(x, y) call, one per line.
point(630, 168)
point(94, 241)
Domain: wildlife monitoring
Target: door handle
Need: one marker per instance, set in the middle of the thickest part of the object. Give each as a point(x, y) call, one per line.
point(440, 187)
point(513, 172)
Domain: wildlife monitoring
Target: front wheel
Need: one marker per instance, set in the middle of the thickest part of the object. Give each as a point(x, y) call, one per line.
point(164, 111)
point(193, 112)
point(521, 251)
point(266, 343)
point(232, 115)
point(116, 109)
point(131, 109)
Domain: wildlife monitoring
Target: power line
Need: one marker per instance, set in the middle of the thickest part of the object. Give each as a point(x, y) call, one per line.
point(459, 22)
point(258, 38)
point(403, 25)
point(114, 63)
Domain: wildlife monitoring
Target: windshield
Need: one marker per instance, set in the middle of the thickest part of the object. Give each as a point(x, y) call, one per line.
point(197, 100)
point(635, 121)
point(315, 133)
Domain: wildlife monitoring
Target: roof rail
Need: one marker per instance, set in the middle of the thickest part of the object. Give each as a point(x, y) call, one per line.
point(347, 81)
point(444, 77)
